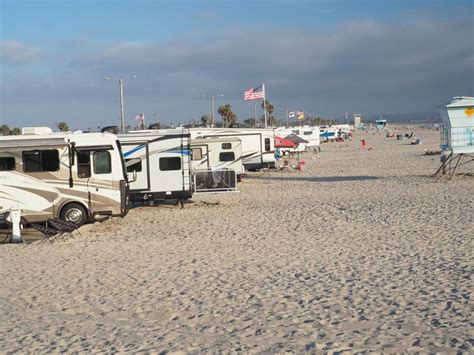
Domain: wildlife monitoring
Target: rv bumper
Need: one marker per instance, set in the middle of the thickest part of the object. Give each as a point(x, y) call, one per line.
point(159, 196)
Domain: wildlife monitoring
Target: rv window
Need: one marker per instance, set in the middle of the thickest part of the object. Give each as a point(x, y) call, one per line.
point(226, 145)
point(7, 163)
point(295, 131)
point(83, 163)
point(267, 144)
point(102, 163)
point(227, 156)
point(197, 154)
point(40, 160)
point(170, 163)
point(134, 164)
point(308, 133)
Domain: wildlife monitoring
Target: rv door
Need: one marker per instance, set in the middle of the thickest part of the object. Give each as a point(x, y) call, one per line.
point(95, 170)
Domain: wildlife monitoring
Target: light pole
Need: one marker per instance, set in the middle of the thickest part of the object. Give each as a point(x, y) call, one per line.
point(121, 81)
point(213, 98)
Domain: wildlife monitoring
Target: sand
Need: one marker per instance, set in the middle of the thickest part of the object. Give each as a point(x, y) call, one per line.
point(363, 251)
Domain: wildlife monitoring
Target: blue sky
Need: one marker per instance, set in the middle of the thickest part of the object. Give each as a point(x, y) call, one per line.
point(325, 57)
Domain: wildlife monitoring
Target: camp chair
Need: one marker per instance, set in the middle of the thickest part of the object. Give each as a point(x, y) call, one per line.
point(49, 232)
point(64, 226)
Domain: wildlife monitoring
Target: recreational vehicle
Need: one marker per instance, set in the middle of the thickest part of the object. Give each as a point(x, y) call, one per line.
point(159, 162)
point(72, 176)
point(217, 153)
point(308, 133)
point(258, 150)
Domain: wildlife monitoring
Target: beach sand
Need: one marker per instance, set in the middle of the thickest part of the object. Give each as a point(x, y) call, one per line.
point(362, 251)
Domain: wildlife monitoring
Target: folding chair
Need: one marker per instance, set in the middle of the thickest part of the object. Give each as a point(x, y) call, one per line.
point(63, 226)
point(48, 232)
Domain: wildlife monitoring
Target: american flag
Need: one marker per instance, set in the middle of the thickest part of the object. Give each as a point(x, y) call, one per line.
point(254, 94)
point(140, 117)
point(291, 114)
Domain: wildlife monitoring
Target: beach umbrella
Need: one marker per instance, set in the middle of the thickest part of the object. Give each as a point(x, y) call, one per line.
point(283, 143)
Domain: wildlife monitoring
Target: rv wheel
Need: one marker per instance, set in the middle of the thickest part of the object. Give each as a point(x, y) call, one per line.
point(74, 212)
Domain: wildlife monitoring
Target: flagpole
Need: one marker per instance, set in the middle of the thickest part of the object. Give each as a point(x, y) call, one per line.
point(255, 116)
point(143, 122)
point(287, 118)
point(264, 105)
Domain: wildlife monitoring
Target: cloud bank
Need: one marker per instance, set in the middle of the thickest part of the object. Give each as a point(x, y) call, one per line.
point(366, 66)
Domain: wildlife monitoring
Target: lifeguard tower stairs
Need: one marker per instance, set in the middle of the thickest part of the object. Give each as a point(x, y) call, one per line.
point(457, 135)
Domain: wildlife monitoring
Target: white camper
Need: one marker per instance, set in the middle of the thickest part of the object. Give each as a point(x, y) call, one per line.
point(217, 153)
point(159, 162)
point(308, 133)
point(258, 148)
point(72, 176)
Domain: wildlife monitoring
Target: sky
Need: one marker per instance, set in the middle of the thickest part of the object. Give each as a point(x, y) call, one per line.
point(324, 57)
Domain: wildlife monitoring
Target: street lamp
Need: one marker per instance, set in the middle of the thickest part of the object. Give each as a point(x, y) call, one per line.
point(121, 81)
point(213, 98)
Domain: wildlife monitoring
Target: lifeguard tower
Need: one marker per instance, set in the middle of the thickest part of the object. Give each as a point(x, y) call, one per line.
point(457, 135)
point(381, 124)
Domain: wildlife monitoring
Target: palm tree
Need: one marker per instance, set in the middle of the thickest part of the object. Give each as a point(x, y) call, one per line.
point(226, 114)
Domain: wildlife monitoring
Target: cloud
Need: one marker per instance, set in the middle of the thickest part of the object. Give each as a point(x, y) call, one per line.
point(367, 66)
point(15, 53)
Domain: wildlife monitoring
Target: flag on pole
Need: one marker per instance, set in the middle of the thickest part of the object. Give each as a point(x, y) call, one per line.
point(254, 94)
point(300, 115)
point(291, 114)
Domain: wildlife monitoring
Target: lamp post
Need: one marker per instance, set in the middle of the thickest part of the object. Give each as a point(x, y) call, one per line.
point(121, 81)
point(213, 98)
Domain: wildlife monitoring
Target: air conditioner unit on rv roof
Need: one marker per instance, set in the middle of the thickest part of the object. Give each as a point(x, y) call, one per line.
point(36, 130)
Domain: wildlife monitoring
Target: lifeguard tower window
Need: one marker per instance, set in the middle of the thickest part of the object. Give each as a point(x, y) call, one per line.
point(7, 163)
point(83, 164)
point(226, 145)
point(35, 161)
point(227, 156)
point(167, 164)
point(134, 164)
point(102, 162)
point(197, 154)
point(267, 144)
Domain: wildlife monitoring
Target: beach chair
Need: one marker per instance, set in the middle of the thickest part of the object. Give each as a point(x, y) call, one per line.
point(66, 228)
point(50, 233)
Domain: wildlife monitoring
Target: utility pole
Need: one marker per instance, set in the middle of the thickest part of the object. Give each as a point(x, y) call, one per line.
point(122, 118)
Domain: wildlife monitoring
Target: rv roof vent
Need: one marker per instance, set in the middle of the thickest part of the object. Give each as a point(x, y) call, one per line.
point(36, 130)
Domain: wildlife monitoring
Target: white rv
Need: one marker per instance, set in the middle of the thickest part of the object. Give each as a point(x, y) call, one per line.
point(72, 176)
point(217, 153)
point(309, 133)
point(258, 148)
point(159, 162)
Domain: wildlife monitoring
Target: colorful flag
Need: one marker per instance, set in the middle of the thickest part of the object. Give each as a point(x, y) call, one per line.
point(139, 117)
point(300, 115)
point(254, 94)
point(291, 114)
point(141, 120)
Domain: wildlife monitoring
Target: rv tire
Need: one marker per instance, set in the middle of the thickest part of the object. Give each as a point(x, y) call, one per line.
point(74, 212)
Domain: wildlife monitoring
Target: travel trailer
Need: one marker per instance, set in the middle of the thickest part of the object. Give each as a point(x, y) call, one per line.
point(258, 150)
point(72, 176)
point(308, 133)
point(159, 162)
point(217, 153)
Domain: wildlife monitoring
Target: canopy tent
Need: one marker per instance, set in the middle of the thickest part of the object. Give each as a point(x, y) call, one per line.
point(283, 143)
point(296, 139)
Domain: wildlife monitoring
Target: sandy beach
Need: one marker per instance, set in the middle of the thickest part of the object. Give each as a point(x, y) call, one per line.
point(363, 251)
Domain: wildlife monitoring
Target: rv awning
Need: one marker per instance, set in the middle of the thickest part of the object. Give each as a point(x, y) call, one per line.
point(32, 143)
point(283, 143)
point(296, 139)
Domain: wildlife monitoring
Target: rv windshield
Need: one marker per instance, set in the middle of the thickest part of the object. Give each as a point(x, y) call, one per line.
point(124, 171)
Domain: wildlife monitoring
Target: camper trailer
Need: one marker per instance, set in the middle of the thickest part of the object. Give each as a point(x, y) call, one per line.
point(308, 133)
point(159, 162)
point(72, 176)
point(217, 153)
point(258, 150)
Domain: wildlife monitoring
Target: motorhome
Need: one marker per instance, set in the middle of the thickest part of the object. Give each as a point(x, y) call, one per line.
point(217, 153)
point(159, 163)
point(72, 176)
point(258, 149)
